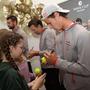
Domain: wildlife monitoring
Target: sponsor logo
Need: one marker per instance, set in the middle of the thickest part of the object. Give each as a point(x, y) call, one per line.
point(81, 6)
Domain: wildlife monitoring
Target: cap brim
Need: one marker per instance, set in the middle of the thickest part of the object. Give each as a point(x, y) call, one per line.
point(61, 11)
point(64, 11)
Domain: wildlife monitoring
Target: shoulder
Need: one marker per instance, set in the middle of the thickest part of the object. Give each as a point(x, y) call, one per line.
point(83, 32)
point(14, 81)
point(11, 80)
point(79, 31)
point(21, 32)
point(12, 73)
point(50, 31)
point(14, 77)
point(82, 35)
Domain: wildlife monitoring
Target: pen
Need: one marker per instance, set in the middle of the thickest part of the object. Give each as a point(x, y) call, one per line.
point(52, 51)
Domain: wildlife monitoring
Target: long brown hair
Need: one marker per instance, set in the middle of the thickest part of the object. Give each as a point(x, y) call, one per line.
point(2, 33)
point(9, 38)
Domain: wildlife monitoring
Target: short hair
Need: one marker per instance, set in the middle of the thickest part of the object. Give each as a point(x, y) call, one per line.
point(79, 20)
point(12, 17)
point(35, 22)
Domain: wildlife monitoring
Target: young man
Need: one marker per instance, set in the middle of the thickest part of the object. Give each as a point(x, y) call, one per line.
point(12, 24)
point(74, 41)
point(47, 42)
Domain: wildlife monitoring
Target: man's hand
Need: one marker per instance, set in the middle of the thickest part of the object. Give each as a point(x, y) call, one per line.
point(33, 53)
point(51, 57)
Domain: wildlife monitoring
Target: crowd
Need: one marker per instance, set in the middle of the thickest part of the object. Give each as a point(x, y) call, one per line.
point(64, 44)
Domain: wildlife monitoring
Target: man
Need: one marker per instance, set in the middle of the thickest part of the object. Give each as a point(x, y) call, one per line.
point(12, 23)
point(47, 42)
point(74, 41)
point(78, 20)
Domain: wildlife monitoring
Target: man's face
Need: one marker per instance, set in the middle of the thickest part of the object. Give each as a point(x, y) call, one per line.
point(36, 30)
point(54, 22)
point(11, 24)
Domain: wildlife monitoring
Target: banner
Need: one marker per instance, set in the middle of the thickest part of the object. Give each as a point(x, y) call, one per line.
point(78, 9)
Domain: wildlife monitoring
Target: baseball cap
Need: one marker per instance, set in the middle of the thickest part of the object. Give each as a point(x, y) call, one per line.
point(51, 8)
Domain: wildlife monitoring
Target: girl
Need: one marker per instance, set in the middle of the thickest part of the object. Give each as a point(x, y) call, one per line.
point(11, 47)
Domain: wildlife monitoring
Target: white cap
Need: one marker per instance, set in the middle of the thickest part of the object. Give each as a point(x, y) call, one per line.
point(49, 9)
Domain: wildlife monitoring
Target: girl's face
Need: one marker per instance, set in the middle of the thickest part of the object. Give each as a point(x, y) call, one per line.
point(16, 51)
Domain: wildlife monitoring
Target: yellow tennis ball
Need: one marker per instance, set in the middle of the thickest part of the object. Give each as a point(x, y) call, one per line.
point(37, 71)
point(43, 60)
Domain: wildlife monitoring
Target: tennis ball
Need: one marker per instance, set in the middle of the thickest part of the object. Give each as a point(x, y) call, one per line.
point(43, 60)
point(37, 71)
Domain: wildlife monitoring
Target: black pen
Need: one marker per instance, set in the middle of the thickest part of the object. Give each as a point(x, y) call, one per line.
point(52, 51)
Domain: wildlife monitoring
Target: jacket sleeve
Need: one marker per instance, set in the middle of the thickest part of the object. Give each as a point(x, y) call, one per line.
point(50, 40)
point(82, 65)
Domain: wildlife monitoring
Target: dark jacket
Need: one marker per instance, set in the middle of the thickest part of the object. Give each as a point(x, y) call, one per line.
point(10, 79)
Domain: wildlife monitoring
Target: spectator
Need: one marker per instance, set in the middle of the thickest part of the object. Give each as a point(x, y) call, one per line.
point(11, 47)
point(47, 42)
